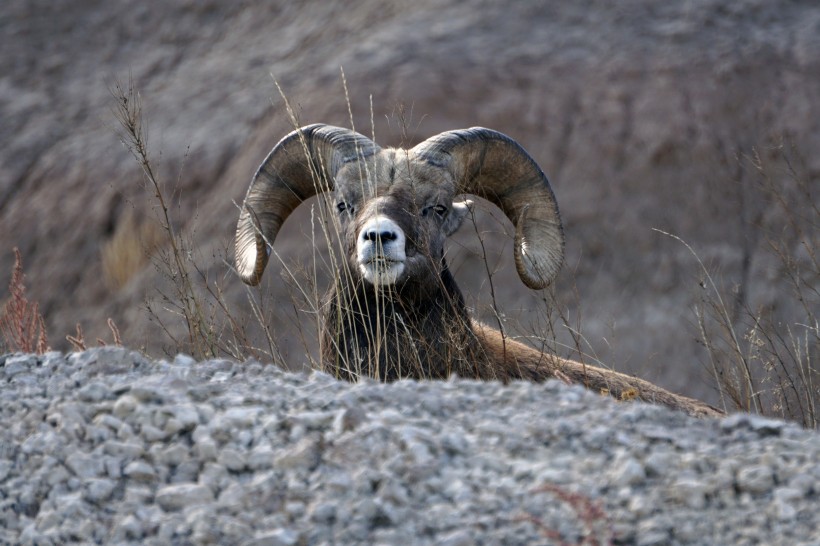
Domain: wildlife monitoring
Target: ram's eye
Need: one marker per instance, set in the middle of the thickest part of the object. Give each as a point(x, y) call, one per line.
point(342, 206)
point(440, 210)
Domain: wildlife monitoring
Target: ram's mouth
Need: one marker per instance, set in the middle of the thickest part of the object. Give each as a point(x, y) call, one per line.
point(381, 270)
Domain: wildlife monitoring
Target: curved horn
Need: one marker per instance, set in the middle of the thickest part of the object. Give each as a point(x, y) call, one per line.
point(493, 166)
point(301, 165)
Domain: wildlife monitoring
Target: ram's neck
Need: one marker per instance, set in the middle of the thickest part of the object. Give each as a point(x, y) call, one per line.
point(410, 330)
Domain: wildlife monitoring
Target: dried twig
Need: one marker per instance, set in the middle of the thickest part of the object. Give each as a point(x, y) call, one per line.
point(21, 323)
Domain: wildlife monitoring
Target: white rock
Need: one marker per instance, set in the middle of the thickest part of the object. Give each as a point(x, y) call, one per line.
point(628, 471)
point(84, 465)
point(232, 459)
point(99, 489)
point(125, 405)
point(755, 479)
point(176, 497)
point(140, 470)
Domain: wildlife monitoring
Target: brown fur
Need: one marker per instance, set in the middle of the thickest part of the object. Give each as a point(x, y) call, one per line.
point(520, 361)
point(410, 331)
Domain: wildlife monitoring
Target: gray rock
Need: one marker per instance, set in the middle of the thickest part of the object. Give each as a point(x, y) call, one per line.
point(99, 489)
point(127, 450)
point(18, 364)
point(94, 392)
point(688, 491)
point(304, 455)
point(140, 471)
point(184, 360)
point(242, 417)
point(84, 465)
point(459, 537)
point(172, 455)
point(125, 405)
point(762, 425)
point(279, 537)
point(628, 471)
point(176, 497)
point(232, 459)
point(129, 528)
point(150, 433)
point(261, 457)
point(323, 513)
point(206, 449)
point(755, 479)
point(186, 415)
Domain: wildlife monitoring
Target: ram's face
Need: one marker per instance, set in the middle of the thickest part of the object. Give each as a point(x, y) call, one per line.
point(395, 212)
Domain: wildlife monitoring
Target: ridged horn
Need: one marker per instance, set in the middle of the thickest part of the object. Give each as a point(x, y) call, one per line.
point(303, 164)
point(495, 167)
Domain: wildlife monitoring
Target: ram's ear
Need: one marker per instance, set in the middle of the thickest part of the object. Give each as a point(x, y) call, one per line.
point(457, 215)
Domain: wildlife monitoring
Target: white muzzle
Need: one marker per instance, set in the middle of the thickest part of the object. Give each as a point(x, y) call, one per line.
point(380, 251)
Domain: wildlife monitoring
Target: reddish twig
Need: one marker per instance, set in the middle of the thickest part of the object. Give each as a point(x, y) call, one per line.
point(588, 511)
point(21, 323)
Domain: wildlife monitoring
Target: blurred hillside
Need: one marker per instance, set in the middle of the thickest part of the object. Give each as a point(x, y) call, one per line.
point(639, 112)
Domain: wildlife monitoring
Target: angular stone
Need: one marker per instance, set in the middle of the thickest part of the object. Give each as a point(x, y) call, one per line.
point(152, 434)
point(688, 492)
point(305, 454)
point(125, 405)
point(349, 419)
point(129, 528)
point(460, 537)
point(279, 537)
point(99, 489)
point(84, 465)
point(130, 450)
point(628, 471)
point(242, 416)
point(755, 479)
point(232, 459)
point(94, 392)
point(108, 420)
point(173, 455)
point(232, 497)
point(140, 470)
point(764, 426)
point(206, 449)
point(18, 364)
point(176, 497)
point(184, 360)
point(186, 414)
point(261, 457)
point(323, 513)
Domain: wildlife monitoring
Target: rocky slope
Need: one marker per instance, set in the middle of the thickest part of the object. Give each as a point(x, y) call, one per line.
point(107, 447)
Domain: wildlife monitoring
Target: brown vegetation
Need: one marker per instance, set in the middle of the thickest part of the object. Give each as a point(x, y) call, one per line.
point(21, 323)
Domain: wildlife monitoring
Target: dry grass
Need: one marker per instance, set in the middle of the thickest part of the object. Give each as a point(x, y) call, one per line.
point(191, 293)
point(21, 323)
point(129, 250)
point(78, 341)
point(764, 358)
point(173, 261)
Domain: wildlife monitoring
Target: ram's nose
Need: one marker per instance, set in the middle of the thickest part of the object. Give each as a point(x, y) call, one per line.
point(380, 236)
point(381, 231)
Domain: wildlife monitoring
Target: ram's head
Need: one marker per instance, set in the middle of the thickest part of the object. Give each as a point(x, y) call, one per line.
point(396, 207)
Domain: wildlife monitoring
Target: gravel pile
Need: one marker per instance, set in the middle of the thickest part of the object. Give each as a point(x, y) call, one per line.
point(106, 446)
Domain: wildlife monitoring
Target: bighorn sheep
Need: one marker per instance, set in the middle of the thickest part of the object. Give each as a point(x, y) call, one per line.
point(394, 309)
